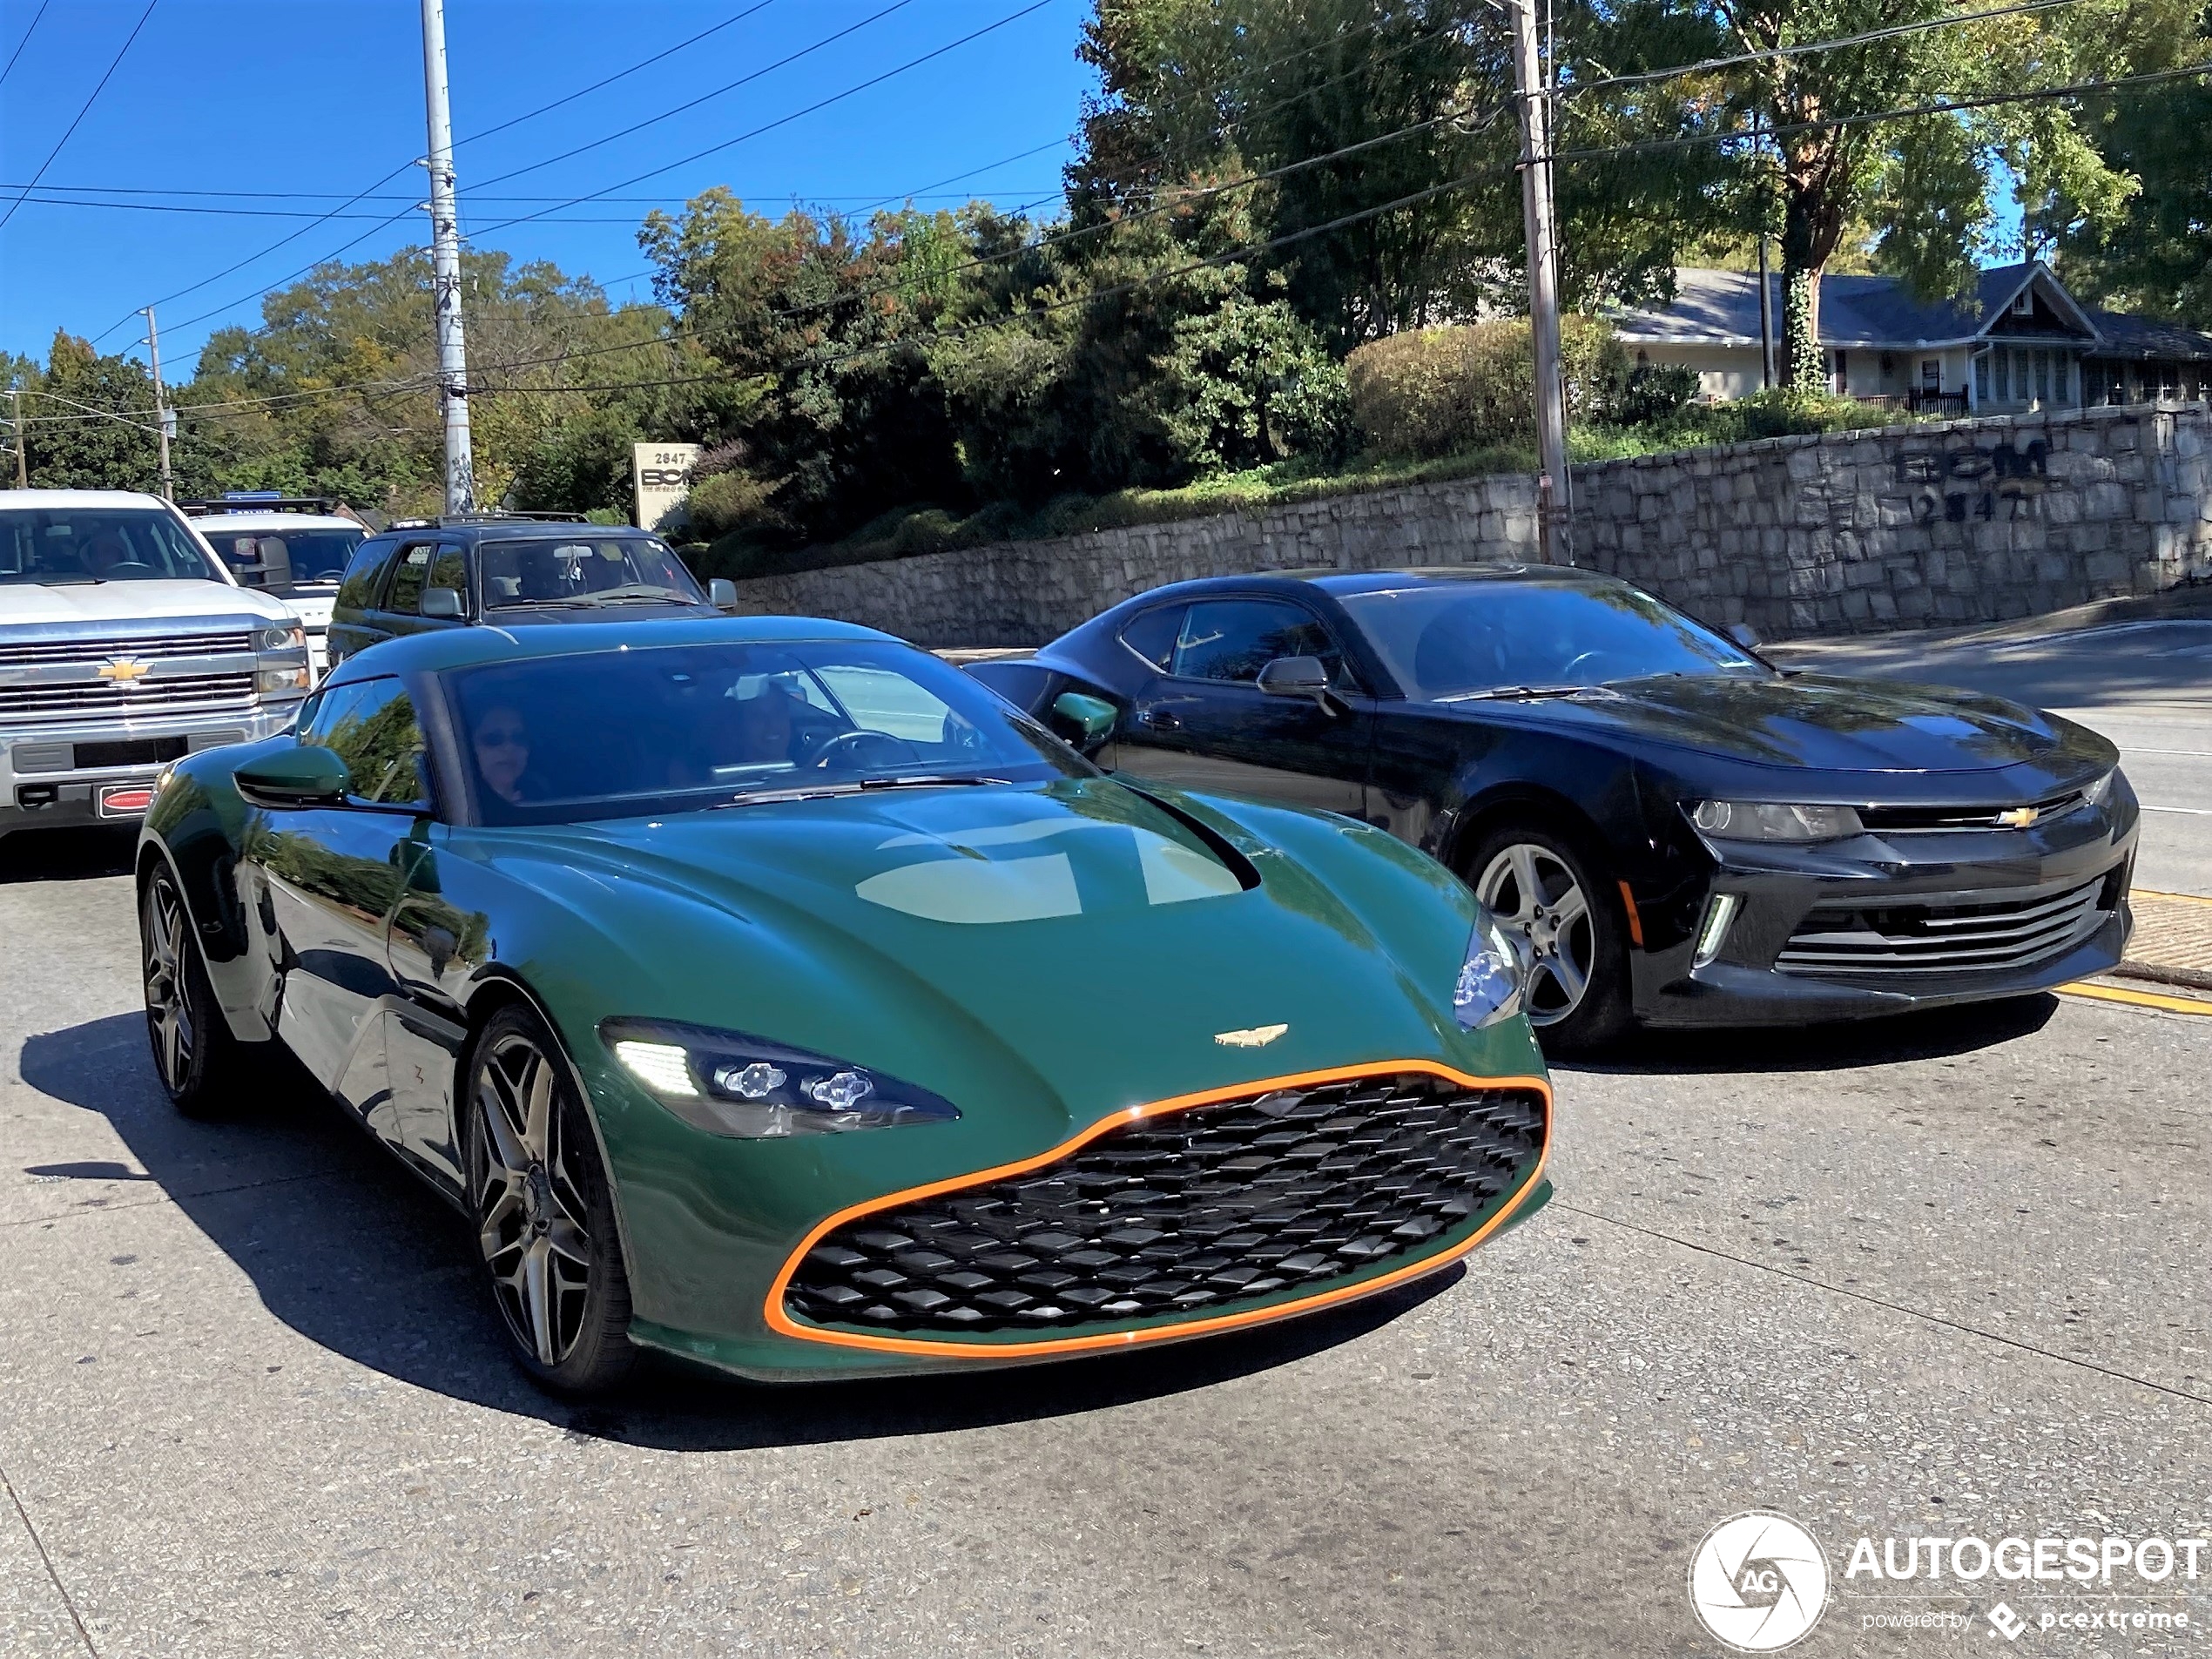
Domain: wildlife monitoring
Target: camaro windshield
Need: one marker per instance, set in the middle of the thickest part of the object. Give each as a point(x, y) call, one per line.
point(619, 734)
point(63, 545)
point(598, 569)
point(1447, 639)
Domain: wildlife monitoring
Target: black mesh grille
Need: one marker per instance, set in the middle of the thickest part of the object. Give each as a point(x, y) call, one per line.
point(1191, 1212)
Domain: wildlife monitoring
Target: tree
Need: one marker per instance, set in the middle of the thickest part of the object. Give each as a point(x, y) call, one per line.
point(2158, 259)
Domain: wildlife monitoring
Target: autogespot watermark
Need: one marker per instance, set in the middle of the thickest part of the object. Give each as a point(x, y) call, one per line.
point(1760, 1581)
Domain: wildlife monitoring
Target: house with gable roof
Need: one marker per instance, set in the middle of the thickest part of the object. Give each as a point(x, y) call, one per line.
point(2022, 342)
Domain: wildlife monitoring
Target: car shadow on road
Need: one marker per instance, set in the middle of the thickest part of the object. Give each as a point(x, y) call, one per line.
point(345, 1246)
point(74, 854)
point(1844, 1046)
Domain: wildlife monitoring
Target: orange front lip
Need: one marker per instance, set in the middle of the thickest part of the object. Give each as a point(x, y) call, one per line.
point(784, 1325)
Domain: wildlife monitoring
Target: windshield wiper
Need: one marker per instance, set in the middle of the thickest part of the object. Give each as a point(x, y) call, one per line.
point(541, 604)
point(863, 786)
point(1517, 691)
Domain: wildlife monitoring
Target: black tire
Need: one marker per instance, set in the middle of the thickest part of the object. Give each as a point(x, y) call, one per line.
point(1590, 943)
point(542, 1208)
point(204, 1068)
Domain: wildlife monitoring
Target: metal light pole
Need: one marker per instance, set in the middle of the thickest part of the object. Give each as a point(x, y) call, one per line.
point(161, 419)
point(445, 252)
point(1553, 503)
point(22, 467)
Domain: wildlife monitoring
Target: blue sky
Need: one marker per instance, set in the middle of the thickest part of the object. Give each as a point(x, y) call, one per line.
point(319, 97)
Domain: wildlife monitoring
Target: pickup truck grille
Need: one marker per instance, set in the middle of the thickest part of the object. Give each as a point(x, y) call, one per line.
point(41, 653)
point(98, 700)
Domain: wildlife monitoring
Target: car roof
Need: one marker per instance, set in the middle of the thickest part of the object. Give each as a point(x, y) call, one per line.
point(448, 649)
point(211, 523)
point(515, 528)
point(52, 499)
point(1339, 583)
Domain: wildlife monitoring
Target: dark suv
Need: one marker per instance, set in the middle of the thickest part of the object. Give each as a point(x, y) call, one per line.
point(455, 572)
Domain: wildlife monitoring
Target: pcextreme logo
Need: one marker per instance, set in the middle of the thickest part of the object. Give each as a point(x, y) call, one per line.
point(1758, 1582)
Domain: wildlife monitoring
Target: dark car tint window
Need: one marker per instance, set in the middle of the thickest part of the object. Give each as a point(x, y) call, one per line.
point(1151, 634)
point(1449, 639)
point(358, 591)
point(265, 556)
point(63, 546)
point(1233, 639)
point(448, 568)
point(587, 569)
point(678, 728)
point(405, 597)
point(371, 725)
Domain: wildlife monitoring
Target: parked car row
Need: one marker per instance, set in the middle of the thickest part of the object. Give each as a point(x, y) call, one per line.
point(772, 992)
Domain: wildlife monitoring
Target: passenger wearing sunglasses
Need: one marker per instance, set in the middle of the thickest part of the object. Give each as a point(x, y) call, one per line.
point(502, 751)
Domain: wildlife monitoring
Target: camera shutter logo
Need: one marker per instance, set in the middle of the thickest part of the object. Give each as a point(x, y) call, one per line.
point(1758, 1582)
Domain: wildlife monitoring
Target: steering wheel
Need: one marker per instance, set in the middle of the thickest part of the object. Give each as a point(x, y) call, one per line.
point(900, 750)
point(130, 567)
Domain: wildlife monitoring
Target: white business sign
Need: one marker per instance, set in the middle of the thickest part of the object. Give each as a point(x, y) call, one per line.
point(662, 475)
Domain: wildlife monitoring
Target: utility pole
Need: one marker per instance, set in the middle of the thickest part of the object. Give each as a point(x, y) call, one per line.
point(445, 254)
point(1766, 298)
point(1530, 80)
point(22, 468)
point(162, 419)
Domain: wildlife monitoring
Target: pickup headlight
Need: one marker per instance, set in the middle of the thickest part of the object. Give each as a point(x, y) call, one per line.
point(1757, 820)
point(1492, 977)
point(282, 679)
point(728, 1083)
point(282, 637)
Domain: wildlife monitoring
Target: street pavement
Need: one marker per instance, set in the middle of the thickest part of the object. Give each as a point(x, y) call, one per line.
point(1938, 1276)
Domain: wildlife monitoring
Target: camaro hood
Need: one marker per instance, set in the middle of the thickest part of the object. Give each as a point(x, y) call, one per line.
point(1834, 725)
point(128, 602)
point(1092, 940)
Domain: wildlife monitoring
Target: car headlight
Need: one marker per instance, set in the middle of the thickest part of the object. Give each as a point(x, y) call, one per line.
point(728, 1083)
point(284, 636)
point(1492, 977)
point(282, 679)
point(2097, 790)
point(281, 682)
point(1759, 820)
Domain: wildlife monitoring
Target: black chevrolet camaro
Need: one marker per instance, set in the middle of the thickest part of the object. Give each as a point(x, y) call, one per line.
point(1680, 832)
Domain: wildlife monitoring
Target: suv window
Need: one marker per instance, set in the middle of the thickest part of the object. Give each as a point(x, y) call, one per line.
point(1233, 639)
point(358, 591)
point(447, 568)
point(371, 725)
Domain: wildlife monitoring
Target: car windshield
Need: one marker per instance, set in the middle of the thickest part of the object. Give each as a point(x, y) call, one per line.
point(56, 546)
point(585, 571)
point(681, 728)
point(1455, 639)
point(276, 558)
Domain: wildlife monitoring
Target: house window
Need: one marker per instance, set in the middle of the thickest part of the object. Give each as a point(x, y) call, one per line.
point(1842, 374)
point(1931, 373)
point(2003, 374)
point(2042, 377)
point(1981, 378)
point(2024, 302)
point(2059, 376)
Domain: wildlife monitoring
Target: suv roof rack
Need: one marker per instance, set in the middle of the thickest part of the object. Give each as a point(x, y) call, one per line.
point(456, 521)
point(270, 503)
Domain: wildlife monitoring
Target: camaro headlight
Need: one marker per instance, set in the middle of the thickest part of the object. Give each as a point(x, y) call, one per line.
point(1759, 820)
point(728, 1083)
point(1492, 977)
point(2095, 793)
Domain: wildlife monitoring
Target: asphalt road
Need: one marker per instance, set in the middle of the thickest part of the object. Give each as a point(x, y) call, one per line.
point(2147, 686)
point(1942, 1277)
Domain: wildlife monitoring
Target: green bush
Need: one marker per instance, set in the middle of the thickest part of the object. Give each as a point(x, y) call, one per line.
point(727, 502)
point(1433, 392)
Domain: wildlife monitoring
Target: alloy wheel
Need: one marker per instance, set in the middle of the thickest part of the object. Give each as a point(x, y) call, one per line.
point(168, 1007)
point(530, 1211)
point(1533, 894)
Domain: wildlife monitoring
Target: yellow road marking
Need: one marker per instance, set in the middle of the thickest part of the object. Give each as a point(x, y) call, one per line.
point(2179, 898)
point(2139, 998)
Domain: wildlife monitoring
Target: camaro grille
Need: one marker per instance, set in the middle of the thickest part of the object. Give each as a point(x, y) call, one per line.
point(41, 652)
point(97, 700)
point(1894, 818)
point(1989, 932)
point(1190, 1212)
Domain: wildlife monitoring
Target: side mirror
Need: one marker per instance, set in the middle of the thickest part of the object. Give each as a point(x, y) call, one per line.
point(723, 592)
point(1296, 676)
point(1745, 635)
point(441, 604)
point(1085, 722)
point(309, 775)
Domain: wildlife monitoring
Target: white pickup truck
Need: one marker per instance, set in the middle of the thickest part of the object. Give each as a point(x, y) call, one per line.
point(125, 643)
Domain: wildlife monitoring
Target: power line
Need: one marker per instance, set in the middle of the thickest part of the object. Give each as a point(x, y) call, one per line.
point(24, 41)
point(45, 201)
point(83, 109)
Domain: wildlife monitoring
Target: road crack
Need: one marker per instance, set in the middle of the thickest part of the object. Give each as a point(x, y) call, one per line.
point(46, 1560)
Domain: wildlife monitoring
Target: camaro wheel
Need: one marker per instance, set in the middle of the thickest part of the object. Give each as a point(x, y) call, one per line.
point(544, 1217)
point(1540, 889)
point(199, 1060)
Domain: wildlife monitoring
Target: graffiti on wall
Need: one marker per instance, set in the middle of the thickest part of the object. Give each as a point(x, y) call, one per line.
point(2003, 481)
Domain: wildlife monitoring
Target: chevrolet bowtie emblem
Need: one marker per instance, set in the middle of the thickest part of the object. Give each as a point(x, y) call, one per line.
point(2019, 817)
point(123, 670)
point(1257, 1036)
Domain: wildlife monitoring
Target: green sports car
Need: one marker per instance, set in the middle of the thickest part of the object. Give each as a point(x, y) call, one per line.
point(770, 992)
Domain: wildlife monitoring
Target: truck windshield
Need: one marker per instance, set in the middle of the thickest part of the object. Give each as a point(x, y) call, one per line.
point(58, 545)
point(276, 558)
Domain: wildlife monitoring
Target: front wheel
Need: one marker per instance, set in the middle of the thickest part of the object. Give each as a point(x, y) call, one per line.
point(1543, 890)
point(543, 1209)
point(200, 1064)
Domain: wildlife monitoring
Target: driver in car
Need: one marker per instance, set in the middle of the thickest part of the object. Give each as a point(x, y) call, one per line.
point(766, 727)
point(104, 553)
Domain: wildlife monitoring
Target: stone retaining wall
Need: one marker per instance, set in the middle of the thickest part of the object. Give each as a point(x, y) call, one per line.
point(1960, 522)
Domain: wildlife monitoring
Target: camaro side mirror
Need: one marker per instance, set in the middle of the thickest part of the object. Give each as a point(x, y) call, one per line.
point(1296, 676)
point(1084, 721)
point(441, 604)
point(723, 593)
point(307, 776)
